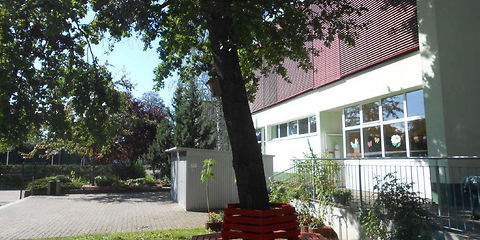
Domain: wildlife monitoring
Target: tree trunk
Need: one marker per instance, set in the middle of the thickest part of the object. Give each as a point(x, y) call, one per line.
point(247, 158)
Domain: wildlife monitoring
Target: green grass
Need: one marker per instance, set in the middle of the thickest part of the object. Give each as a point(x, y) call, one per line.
point(157, 235)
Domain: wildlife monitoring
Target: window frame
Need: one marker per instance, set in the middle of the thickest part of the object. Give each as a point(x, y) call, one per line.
point(381, 123)
point(276, 127)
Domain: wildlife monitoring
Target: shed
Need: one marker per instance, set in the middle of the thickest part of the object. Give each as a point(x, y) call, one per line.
point(187, 188)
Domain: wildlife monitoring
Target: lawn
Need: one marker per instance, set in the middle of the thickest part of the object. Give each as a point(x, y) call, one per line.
point(157, 235)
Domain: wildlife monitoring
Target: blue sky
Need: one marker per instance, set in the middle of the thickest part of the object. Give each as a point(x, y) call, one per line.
point(128, 57)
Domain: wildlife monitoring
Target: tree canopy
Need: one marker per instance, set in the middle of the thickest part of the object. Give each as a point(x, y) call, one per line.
point(44, 68)
point(193, 126)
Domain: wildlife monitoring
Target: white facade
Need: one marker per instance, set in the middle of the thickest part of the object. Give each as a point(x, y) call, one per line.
point(396, 76)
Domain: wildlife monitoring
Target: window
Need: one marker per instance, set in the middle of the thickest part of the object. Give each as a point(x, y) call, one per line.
point(353, 143)
point(258, 133)
point(352, 116)
point(370, 112)
point(391, 127)
point(313, 123)
point(273, 132)
point(392, 107)
point(372, 141)
point(303, 126)
point(394, 139)
point(296, 127)
point(283, 130)
point(417, 134)
point(415, 104)
point(292, 128)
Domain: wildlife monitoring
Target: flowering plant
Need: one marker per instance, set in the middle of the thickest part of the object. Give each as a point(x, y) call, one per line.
point(316, 222)
point(215, 217)
point(303, 219)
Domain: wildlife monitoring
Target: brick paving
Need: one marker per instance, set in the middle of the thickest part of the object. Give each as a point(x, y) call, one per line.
point(56, 216)
point(9, 196)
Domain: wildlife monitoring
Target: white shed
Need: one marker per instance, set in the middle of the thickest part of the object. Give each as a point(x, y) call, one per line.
point(187, 188)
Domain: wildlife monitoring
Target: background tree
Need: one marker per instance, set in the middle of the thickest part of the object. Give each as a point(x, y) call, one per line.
point(193, 125)
point(137, 128)
point(156, 156)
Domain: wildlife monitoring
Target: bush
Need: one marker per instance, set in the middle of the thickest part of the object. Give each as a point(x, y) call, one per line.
point(285, 191)
point(125, 172)
point(148, 180)
point(65, 182)
point(342, 196)
point(11, 175)
point(103, 181)
point(398, 213)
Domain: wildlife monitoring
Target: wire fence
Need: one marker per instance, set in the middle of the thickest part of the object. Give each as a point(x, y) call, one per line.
point(450, 185)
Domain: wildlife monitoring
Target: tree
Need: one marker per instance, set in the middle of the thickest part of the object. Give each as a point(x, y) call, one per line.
point(224, 39)
point(156, 155)
point(238, 37)
point(48, 88)
point(193, 125)
point(137, 127)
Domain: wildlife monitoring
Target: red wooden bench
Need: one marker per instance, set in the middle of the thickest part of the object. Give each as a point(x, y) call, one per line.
point(217, 236)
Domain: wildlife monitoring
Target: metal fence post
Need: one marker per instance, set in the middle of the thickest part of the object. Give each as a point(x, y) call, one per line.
point(22, 177)
point(313, 179)
point(360, 183)
point(437, 186)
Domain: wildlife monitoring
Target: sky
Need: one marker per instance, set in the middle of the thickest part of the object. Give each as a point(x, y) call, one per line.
point(128, 57)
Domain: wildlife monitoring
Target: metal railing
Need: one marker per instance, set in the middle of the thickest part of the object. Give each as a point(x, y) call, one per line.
point(450, 185)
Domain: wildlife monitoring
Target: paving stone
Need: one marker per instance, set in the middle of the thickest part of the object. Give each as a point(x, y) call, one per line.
point(80, 214)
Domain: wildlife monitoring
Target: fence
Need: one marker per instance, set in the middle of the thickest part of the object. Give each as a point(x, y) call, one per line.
point(450, 185)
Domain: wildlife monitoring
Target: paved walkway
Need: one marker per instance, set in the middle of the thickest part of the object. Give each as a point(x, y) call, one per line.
point(50, 216)
point(9, 196)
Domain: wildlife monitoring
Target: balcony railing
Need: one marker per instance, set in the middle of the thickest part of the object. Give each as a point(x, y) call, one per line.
point(450, 185)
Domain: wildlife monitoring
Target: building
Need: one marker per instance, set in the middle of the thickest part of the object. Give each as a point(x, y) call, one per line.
point(408, 88)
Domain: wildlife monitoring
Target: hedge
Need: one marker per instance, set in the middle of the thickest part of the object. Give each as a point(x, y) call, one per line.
point(11, 175)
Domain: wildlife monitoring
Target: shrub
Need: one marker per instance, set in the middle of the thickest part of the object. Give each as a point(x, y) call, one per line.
point(148, 180)
point(132, 171)
point(398, 213)
point(342, 196)
point(11, 175)
point(63, 178)
point(40, 184)
point(65, 182)
point(285, 191)
point(103, 181)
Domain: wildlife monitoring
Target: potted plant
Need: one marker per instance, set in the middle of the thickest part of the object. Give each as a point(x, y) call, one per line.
point(315, 224)
point(303, 221)
point(318, 226)
point(214, 222)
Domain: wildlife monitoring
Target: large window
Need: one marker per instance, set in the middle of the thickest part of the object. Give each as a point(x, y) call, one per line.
point(389, 127)
point(259, 134)
point(296, 127)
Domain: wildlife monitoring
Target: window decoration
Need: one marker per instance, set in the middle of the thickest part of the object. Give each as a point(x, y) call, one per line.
point(392, 126)
point(371, 136)
point(396, 141)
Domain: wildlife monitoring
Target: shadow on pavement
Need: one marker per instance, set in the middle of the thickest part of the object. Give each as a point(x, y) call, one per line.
point(124, 197)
